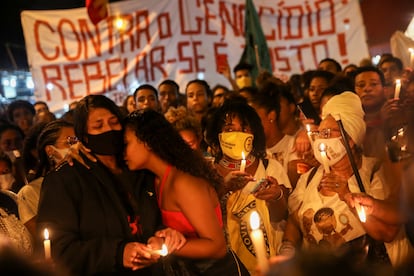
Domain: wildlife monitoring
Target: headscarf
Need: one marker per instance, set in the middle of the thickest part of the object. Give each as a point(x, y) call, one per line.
point(347, 107)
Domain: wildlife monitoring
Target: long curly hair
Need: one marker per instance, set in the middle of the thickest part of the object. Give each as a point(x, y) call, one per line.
point(157, 133)
point(235, 107)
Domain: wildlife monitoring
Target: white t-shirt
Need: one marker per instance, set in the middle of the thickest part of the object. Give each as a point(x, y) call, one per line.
point(282, 151)
point(336, 223)
point(28, 199)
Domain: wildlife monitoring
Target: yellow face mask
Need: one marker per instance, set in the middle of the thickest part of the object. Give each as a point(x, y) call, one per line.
point(244, 82)
point(234, 143)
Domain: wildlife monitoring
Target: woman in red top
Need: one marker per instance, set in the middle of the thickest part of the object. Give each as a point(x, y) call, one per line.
point(185, 185)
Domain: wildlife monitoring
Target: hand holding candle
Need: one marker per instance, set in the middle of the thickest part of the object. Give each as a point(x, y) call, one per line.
point(361, 212)
point(162, 252)
point(46, 245)
point(258, 242)
point(309, 133)
point(243, 163)
point(322, 149)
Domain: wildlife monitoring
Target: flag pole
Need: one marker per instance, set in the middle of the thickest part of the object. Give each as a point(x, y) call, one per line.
point(256, 51)
point(350, 156)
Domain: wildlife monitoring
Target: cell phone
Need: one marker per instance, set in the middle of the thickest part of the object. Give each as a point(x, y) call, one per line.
point(221, 62)
point(259, 184)
point(309, 112)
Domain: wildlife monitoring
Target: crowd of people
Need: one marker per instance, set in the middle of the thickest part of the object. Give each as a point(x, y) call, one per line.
point(165, 184)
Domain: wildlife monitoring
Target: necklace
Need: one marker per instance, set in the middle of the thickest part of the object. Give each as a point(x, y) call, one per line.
point(235, 165)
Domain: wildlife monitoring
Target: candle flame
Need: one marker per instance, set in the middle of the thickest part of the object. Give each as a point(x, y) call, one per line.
point(322, 147)
point(361, 212)
point(46, 234)
point(398, 82)
point(411, 50)
point(16, 153)
point(254, 220)
point(308, 128)
point(243, 156)
point(164, 250)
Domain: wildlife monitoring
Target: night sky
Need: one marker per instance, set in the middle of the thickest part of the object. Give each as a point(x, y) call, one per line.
point(11, 32)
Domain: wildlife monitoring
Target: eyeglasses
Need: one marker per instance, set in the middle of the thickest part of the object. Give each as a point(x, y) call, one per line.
point(325, 133)
point(70, 140)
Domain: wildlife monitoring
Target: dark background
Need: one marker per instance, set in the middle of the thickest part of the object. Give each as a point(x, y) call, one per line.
point(11, 33)
point(382, 18)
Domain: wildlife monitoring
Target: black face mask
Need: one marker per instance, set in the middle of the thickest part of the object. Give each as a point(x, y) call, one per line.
point(107, 143)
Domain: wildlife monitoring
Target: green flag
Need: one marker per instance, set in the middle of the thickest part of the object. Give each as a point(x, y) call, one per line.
point(255, 51)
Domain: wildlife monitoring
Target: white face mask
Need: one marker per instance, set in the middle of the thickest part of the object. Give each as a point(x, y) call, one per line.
point(335, 150)
point(61, 152)
point(234, 143)
point(6, 181)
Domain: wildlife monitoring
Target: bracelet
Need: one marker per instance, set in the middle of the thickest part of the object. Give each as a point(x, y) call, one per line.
point(281, 195)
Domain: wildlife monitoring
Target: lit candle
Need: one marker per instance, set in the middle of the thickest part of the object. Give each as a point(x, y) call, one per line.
point(361, 212)
point(258, 242)
point(162, 252)
point(397, 89)
point(411, 50)
point(322, 149)
point(243, 163)
point(309, 132)
point(46, 244)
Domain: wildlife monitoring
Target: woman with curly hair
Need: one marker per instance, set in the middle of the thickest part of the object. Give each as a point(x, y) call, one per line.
point(104, 218)
point(235, 132)
point(185, 185)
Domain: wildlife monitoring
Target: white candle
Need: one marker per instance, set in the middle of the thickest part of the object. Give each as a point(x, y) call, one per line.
point(162, 252)
point(258, 242)
point(243, 163)
point(309, 132)
point(322, 149)
point(411, 50)
point(46, 244)
point(361, 212)
point(397, 89)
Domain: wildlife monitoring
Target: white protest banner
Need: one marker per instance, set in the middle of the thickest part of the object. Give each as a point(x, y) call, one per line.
point(148, 41)
point(402, 46)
